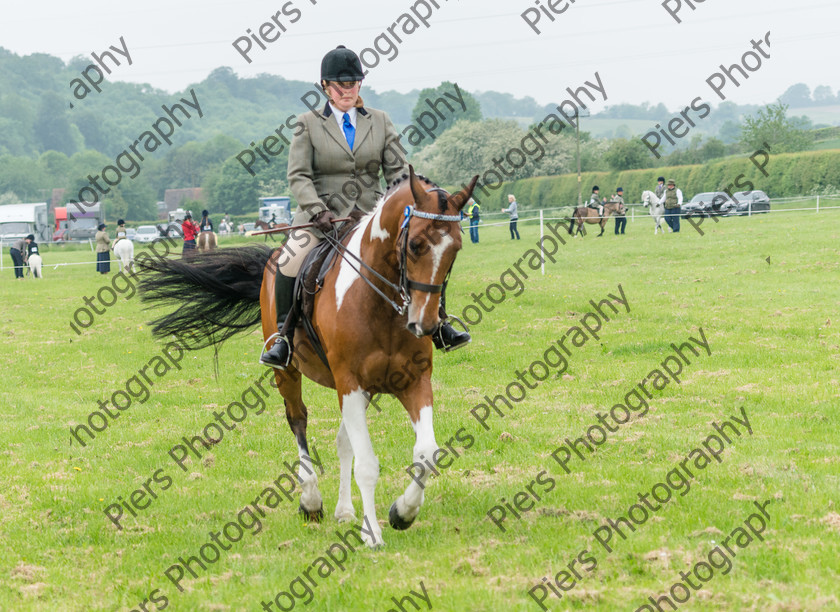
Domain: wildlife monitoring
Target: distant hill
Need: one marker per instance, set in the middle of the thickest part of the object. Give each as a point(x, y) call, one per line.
point(36, 94)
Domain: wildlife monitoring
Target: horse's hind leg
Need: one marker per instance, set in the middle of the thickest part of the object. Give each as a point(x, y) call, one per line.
point(311, 503)
point(344, 510)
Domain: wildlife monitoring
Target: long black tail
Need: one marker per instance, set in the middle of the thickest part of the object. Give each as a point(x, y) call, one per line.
point(217, 294)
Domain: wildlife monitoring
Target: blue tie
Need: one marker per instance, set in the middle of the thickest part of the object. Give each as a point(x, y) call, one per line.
point(349, 131)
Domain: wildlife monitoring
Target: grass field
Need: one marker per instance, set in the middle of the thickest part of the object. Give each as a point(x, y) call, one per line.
point(773, 330)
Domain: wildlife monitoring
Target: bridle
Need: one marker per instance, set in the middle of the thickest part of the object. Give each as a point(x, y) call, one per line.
point(405, 284)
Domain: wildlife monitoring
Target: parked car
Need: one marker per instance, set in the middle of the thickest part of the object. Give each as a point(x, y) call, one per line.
point(709, 204)
point(60, 235)
point(248, 229)
point(146, 233)
point(752, 201)
point(130, 233)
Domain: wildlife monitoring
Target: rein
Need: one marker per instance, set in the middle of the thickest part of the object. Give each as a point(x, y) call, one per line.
point(405, 284)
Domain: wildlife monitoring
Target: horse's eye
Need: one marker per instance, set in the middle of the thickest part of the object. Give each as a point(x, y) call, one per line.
point(414, 246)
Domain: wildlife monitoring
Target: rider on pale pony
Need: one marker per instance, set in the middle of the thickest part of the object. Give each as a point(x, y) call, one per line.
point(334, 162)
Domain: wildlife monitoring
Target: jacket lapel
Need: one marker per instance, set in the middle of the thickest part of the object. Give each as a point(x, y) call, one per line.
point(331, 127)
point(363, 123)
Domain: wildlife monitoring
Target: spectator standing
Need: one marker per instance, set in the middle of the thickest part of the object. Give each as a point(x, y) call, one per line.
point(103, 246)
point(620, 214)
point(189, 229)
point(672, 199)
point(16, 251)
point(513, 211)
point(474, 214)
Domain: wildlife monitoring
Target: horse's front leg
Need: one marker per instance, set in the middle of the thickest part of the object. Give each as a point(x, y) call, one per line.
point(354, 403)
point(417, 400)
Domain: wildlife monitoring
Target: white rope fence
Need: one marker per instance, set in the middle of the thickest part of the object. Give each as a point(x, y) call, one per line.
point(542, 218)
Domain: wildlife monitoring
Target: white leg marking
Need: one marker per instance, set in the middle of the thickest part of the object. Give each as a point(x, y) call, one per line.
point(344, 510)
point(354, 418)
point(310, 496)
point(408, 504)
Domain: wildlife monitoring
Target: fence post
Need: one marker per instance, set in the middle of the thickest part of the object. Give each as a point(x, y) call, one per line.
point(749, 208)
point(542, 255)
point(818, 204)
point(632, 214)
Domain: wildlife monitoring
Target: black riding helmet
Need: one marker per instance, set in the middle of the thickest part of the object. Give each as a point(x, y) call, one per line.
point(341, 64)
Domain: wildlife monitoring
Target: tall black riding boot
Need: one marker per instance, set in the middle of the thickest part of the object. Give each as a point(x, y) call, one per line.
point(446, 338)
point(279, 355)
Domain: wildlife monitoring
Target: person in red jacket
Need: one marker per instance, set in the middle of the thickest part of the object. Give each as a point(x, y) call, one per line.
point(189, 229)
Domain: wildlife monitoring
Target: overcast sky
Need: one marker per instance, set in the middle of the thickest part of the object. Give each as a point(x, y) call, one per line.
point(640, 52)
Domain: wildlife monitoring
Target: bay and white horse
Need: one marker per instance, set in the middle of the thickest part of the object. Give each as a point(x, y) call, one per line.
point(657, 211)
point(207, 241)
point(369, 323)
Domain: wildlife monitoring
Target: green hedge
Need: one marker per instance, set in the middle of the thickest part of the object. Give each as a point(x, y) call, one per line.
point(790, 174)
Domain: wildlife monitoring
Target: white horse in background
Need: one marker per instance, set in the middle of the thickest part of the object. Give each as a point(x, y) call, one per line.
point(124, 250)
point(657, 211)
point(35, 263)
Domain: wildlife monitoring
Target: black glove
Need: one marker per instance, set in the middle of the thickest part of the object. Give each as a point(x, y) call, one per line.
point(323, 221)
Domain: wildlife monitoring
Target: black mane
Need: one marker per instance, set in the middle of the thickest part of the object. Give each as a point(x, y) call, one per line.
point(441, 193)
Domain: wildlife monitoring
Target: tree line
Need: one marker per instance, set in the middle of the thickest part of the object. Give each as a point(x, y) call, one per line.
point(44, 144)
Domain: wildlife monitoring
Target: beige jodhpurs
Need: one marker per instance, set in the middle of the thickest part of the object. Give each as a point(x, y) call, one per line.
point(295, 250)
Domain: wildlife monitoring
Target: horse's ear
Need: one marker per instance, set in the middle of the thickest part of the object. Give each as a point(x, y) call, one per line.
point(462, 197)
point(417, 190)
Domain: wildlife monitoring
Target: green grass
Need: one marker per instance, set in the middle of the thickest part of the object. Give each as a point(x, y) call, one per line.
point(821, 145)
point(773, 333)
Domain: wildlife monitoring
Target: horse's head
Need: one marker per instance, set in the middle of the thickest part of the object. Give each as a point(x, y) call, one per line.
point(647, 196)
point(428, 242)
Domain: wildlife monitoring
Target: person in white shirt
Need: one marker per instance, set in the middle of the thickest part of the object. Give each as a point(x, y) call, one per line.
point(672, 199)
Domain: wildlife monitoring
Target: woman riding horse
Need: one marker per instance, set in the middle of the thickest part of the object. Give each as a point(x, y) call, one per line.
point(206, 238)
point(333, 171)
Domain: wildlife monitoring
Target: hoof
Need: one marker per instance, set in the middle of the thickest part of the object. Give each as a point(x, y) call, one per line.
point(312, 515)
point(396, 521)
point(348, 517)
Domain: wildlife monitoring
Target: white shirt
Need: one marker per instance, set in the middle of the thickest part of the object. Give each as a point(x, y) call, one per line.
point(679, 196)
point(339, 116)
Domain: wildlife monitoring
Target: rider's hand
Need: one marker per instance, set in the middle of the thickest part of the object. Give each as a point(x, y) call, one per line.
point(323, 221)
